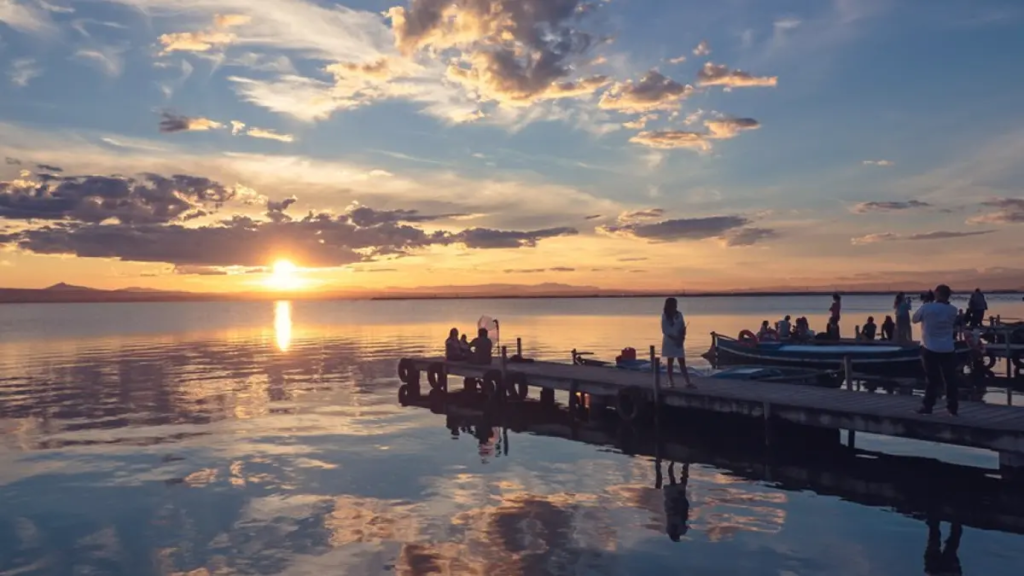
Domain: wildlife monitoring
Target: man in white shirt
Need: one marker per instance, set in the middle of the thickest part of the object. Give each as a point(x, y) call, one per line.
point(938, 354)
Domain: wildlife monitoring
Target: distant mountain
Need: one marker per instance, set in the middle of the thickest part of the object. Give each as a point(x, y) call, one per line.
point(64, 287)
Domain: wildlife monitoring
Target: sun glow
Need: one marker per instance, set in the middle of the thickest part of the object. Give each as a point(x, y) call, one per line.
point(284, 276)
point(283, 325)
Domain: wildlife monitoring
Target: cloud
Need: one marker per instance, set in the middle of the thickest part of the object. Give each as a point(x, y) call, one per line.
point(171, 122)
point(12, 161)
point(537, 270)
point(94, 199)
point(646, 214)
point(366, 216)
point(276, 209)
point(55, 8)
point(922, 236)
point(487, 238)
point(317, 240)
point(107, 59)
point(49, 168)
point(669, 139)
point(1010, 211)
point(23, 70)
point(726, 128)
point(718, 129)
point(205, 40)
point(592, 217)
point(634, 259)
point(749, 236)
point(677, 59)
point(889, 206)
point(702, 49)
point(678, 229)
point(878, 163)
point(721, 75)
point(237, 127)
point(653, 92)
point(269, 135)
point(26, 17)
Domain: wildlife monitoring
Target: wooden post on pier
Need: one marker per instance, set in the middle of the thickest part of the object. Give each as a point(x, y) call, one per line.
point(851, 436)
point(504, 364)
point(652, 359)
point(519, 347)
point(656, 365)
point(1009, 369)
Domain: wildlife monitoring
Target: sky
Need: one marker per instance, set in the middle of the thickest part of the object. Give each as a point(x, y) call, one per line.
point(633, 144)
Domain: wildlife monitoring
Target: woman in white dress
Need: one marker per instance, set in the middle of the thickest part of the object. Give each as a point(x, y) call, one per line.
point(673, 330)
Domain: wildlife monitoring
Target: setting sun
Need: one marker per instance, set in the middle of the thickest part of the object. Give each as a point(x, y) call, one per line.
point(283, 276)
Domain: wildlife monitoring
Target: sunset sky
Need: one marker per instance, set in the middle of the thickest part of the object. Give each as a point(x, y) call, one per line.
point(193, 144)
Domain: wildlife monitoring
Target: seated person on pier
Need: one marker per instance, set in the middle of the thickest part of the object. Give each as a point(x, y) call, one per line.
point(785, 328)
point(888, 329)
point(452, 348)
point(480, 348)
point(869, 330)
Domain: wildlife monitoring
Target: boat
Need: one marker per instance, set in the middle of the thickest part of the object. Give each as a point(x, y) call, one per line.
point(786, 374)
point(875, 358)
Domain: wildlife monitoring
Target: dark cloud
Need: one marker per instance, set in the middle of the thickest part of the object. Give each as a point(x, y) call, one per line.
point(944, 234)
point(889, 206)
point(275, 210)
point(200, 270)
point(750, 236)
point(49, 168)
point(721, 75)
point(317, 240)
point(12, 161)
point(171, 122)
point(148, 199)
point(1010, 211)
point(678, 229)
point(633, 259)
point(654, 91)
point(487, 238)
point(365, 216)
point(592, 217)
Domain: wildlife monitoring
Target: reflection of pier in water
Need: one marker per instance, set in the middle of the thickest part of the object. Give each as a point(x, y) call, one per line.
point(914, 486)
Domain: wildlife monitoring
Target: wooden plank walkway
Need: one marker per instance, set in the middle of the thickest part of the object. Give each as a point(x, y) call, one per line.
point(998, 428)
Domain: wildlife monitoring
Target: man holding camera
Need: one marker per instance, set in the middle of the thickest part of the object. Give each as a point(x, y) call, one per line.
point(938, 319)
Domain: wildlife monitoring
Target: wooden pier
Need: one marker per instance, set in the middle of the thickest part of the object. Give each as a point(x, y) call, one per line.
point(635, 394)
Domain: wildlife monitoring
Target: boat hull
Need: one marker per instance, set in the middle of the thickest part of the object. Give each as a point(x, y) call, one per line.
point(882, 360)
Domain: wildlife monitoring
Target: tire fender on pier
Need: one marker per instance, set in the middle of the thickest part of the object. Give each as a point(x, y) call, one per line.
point(491, 383)
point(437, 377)
point(405, 368)
point(404, 395)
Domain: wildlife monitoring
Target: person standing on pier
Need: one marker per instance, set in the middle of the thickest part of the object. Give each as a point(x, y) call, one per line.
point(976, 308)
point(937, 350)
point(904, 333)
point(785, 328)
point(834, 315)
point(673, 330)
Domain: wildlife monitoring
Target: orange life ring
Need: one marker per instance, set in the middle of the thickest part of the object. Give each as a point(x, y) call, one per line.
point(748, 338)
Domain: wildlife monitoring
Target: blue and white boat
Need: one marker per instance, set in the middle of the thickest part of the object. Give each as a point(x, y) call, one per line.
point(877, 358)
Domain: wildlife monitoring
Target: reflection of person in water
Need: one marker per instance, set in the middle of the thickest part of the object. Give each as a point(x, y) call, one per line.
point(677, 505)
point(942, 560)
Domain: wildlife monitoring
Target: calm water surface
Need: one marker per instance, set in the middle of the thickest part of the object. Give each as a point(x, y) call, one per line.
point(260, 438)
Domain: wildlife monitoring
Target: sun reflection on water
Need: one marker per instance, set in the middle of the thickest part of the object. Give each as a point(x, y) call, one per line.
point(283, 324)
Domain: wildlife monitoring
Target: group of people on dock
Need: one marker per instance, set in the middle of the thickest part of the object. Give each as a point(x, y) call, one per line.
point(458, 348)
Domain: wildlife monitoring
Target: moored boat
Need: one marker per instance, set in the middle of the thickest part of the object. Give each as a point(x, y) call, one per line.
point(878, 358)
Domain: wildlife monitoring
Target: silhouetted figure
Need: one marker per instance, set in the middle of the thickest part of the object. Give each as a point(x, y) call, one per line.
point(888, 329)
point(677, 505)
point(834, 314)
point(452, 347)
point(464, 345)
point(938, 350)
point(976, 308)
point(785, 328)
point(901, 306)
point(481, 348)
point(942, 560)
point(869, 330)
point(764, 332)
point(673, 330)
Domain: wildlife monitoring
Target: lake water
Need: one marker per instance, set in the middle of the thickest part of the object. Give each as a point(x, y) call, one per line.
point(266, 438)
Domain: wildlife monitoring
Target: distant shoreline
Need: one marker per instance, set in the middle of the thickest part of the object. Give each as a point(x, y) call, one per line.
point(18, 296)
